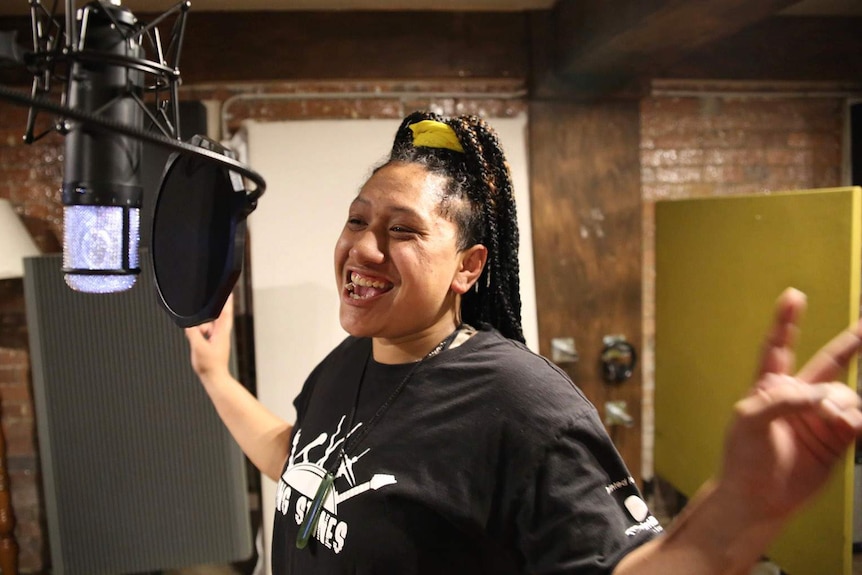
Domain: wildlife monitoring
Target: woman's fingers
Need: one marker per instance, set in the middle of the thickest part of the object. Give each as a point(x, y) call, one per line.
point(825, 418)
point(224, 322)
point(824, 430)
point(834, 357)
point(210, 342)
point(199, 333)
point(844, 423)
point(778, 395)
point(777, 355)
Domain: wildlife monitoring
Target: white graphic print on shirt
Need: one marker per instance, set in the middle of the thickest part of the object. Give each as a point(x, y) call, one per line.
point(625, 491)
point(304, 474)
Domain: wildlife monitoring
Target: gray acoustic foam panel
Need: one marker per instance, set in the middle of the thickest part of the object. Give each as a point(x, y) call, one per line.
point(139, 474)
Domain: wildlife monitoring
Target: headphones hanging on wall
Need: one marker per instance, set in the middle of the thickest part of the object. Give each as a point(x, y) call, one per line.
point(618, 359)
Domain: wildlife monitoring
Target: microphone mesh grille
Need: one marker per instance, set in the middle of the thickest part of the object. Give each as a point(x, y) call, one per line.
point(93, 240)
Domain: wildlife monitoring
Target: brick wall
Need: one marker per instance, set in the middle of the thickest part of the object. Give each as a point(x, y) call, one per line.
point(16, 410)
point(31, 175)
point(727, 144)
point(30, 180)
point(18, 425)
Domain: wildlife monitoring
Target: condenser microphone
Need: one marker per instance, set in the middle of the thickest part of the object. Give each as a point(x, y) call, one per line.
point(102, 191)
point(198, 227)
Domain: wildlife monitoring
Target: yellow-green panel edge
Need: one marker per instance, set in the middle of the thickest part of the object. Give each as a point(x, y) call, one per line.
point(720, 265)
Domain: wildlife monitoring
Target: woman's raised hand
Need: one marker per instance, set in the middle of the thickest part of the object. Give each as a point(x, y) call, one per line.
point(210, 343)
point(792, 429)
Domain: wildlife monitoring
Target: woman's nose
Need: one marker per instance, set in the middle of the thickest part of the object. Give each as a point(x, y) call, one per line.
point(368, 248)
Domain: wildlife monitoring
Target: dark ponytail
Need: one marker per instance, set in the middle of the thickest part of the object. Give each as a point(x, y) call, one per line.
point(480, 176)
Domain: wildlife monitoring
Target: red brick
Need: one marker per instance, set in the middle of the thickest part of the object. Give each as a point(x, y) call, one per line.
point(677, 175)
point(13, 357)
point(21, 446)
point(654, 192)
point(13, 115)
point(727, 174)
point(16, 391)
point(30, 556)
point(657, 157)
point(17, 428)
point(23, 156)
point(25, 495)
point(826, 176)
point(648, 174)
point(14, 178)
point(12, 375)
point(787, 156)
point(799, 140)
point(11, 303)
point(674, 141)
point(27, 522)
point(725, 156)
point(16, 409)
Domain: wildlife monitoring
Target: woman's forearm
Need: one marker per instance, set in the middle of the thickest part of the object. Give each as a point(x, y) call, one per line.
point(716, 533)
point(263, 436)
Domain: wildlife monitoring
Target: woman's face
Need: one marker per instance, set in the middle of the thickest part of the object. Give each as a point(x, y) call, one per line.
point(396, 258)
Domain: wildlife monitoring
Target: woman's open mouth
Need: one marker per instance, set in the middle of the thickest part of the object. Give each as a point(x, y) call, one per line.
point(365, 287)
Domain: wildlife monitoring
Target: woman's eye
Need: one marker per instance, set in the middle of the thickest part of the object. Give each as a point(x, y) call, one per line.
point(354, 223)
point(401, 230)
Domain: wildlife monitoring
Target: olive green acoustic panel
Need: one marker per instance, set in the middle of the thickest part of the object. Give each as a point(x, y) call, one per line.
point(720, 265)
point(139, 474)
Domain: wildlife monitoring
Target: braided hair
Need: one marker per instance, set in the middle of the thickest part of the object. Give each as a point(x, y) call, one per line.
point(479, 199)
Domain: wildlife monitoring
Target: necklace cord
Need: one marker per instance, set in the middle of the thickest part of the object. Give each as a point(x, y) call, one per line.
point(312, 515)
point(351, 442)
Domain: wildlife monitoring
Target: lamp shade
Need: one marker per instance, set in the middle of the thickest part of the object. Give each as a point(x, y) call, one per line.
point(15, 242)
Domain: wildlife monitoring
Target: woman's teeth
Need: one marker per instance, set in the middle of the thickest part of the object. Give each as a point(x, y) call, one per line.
point(364, 288)
point(357, 279)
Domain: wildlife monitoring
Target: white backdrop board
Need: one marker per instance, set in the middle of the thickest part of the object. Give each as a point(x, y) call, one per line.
point(314, 169)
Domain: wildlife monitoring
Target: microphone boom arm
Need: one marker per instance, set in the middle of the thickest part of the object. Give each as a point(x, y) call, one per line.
point(108, 126)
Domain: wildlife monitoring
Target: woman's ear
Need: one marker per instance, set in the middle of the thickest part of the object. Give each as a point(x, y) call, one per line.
point(472, 261)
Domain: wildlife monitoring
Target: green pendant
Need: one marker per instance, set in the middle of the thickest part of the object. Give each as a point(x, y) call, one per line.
point(312, 516)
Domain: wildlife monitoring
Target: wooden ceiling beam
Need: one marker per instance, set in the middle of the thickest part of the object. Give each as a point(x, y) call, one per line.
point(626, 38)
point(286, 46)
point(787, 48)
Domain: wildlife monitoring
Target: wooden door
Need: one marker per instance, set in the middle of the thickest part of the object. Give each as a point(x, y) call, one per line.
point(586, 219)
point(720, 265)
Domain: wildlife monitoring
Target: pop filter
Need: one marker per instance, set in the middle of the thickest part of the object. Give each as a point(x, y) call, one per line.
point(198, 234)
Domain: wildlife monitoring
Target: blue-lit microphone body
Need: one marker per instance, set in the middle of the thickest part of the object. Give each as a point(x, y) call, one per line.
point(101, 191)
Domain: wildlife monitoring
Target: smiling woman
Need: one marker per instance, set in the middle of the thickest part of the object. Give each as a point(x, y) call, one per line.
point(319, 166)
point(427, 269)
point(398, 259)
point(432, 440)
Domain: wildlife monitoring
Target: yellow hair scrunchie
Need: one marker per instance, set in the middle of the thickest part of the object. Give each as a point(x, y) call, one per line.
point(434, 134)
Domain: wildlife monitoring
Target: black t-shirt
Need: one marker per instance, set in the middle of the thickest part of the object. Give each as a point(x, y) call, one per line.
point(489, 460)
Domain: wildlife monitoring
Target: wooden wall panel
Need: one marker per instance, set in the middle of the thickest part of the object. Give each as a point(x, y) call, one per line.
point(586, 216)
